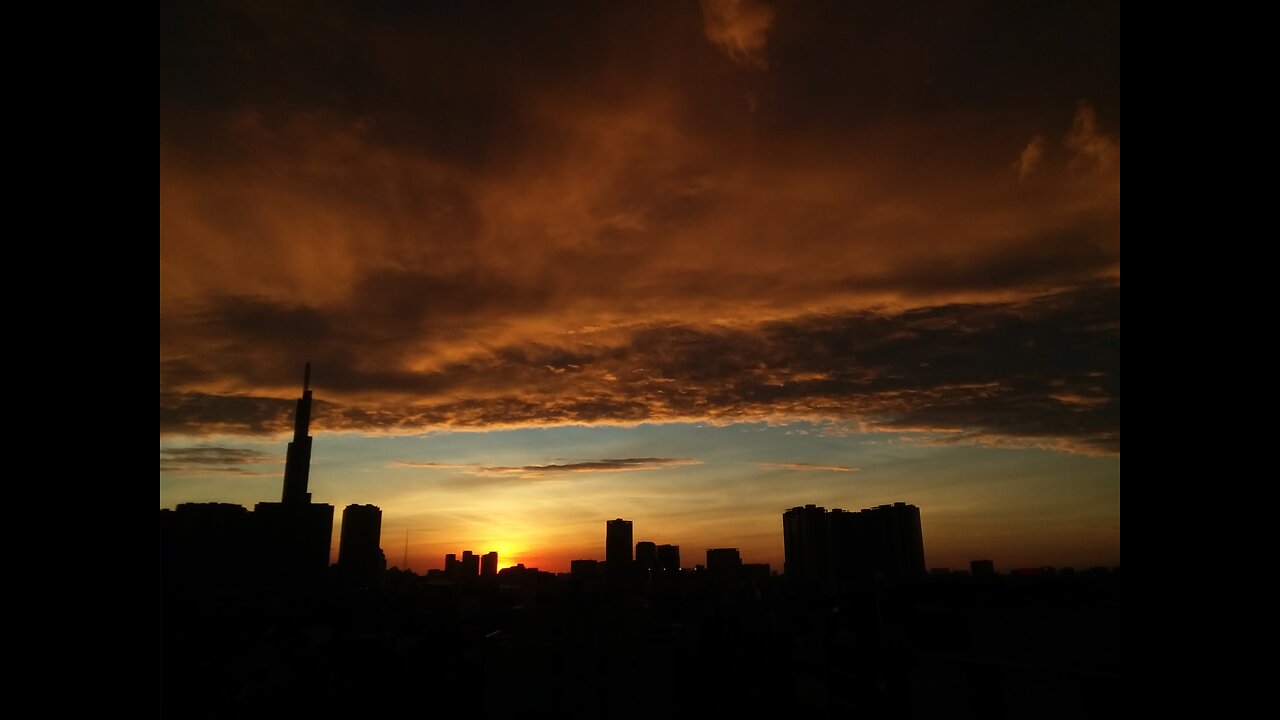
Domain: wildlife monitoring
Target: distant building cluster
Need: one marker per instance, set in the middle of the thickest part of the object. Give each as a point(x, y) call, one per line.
point(471, 566)
point(619, 562)
point(651, 560)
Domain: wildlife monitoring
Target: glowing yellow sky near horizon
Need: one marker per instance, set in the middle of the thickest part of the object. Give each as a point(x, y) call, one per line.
point(1019, 507)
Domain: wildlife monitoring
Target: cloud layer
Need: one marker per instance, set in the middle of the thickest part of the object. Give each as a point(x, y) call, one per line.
point(739, 28)
point(214, 458)
point(584, 214)
point(1044, 370)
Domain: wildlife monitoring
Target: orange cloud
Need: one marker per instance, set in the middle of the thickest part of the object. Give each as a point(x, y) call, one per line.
point(1092, 149)
point(1030, 157)
point(739, 28)
point(997, 369)
point(599, 234)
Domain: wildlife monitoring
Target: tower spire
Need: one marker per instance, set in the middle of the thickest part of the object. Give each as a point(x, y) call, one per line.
point(297, 463)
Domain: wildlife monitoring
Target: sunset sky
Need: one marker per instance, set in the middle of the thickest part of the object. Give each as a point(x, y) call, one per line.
point(685, 263)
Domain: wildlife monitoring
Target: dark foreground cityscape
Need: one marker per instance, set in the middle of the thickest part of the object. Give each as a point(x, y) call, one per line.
point(256, 623)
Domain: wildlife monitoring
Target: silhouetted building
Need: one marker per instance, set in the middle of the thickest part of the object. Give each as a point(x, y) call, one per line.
point(805, 541)
point(840, 546)
point(617, 546)
point(894, 541)
point(847, 547)
point(470, 565)
point(293, 541)
point(982, 568)
point(527, 582)
point(360, 556)
point(489, 564)
point(669, 558)
point(646, 556)
point(293, 537)
point(584, 568)
point(723, 561)
point(297, 462)
point(756, 572)
point(452, 568)
point(205, 544)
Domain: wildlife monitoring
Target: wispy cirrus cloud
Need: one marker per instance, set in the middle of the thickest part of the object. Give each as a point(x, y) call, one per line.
point(591, 466)
point(607, 465)
point(1030, 156)
point(799, 466)
point(433, 465)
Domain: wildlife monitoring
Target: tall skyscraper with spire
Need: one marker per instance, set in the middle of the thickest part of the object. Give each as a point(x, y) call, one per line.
point(297, 462)
point(295, 534)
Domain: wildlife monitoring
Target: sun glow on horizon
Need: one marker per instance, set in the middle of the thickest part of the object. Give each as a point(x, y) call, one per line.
point(510, 556)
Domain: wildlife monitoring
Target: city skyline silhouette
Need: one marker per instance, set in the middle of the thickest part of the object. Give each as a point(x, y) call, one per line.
point(699, 358)
point(293, 537)
point(895, 639)
point(621, 261)
point(296, 516)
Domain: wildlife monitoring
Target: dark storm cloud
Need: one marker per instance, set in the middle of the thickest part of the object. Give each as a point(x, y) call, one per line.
point(452, 80)
point(462, 81)
point(213, 458)
point(205, 413)
point(838, 64)
point(1044, 370)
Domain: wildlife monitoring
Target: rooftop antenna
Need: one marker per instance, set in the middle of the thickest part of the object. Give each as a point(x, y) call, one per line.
point(405, 564)
point(306, 377)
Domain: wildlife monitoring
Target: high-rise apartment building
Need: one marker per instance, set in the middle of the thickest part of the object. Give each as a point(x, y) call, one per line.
point(617, 546)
